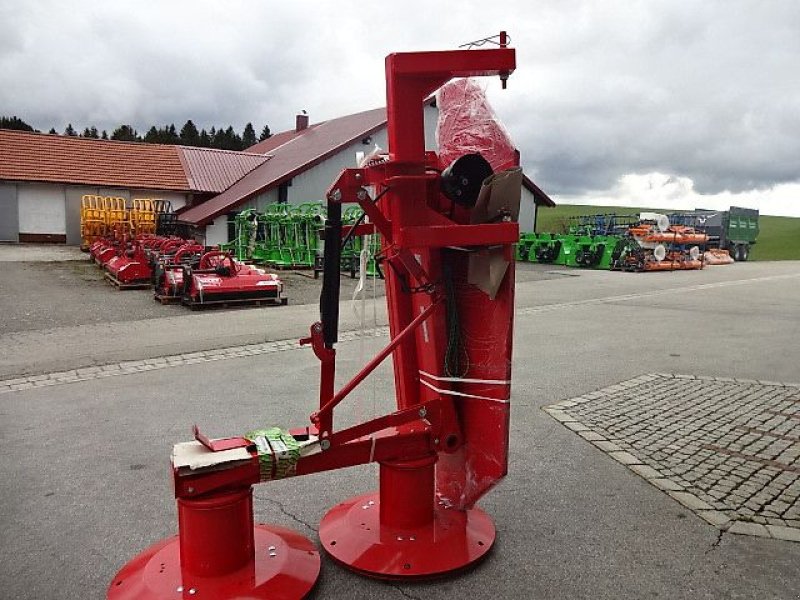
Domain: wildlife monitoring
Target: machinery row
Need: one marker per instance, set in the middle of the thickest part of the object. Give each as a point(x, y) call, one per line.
point(181, 270)
point(104, 216)
point(646, 242)
point(292, 237)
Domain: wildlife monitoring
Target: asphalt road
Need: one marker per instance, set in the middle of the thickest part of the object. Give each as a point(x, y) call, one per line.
point(85, 464)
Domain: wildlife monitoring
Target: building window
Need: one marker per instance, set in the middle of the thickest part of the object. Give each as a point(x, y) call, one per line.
point(231, 220)
point(283, 192)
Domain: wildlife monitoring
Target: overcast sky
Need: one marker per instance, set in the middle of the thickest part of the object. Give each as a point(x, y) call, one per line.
point(672, 103)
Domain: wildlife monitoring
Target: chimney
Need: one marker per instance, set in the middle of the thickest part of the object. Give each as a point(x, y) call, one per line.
point(301, 122)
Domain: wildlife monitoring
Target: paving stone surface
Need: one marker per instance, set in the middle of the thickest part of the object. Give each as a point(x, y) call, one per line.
point(727, 449)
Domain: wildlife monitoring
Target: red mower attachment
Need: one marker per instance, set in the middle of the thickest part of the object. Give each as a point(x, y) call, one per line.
point(448, 235)
point(168, 272)
point(131, 269)
point(221, 279)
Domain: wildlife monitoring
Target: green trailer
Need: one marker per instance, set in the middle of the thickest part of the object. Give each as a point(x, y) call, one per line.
point(735, 229)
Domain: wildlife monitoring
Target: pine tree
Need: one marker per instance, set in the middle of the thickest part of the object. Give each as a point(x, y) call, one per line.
point(189, 135)
point(265, 133)
point(152, 136)
point(125, 133)
point(70, 131)
point(204, 140)
point(14, 123)
point(248, 136)
point(104, 135)
point(93, 133)
point(53, 131)
point(171, 135)
point(232, 139)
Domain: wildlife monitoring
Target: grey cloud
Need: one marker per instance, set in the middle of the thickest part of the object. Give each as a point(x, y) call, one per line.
point(702, 90)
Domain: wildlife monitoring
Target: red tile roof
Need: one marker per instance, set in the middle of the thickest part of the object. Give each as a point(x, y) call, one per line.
point(301, 152)
point(63, 159)
point(54, 158)
point(211, 170)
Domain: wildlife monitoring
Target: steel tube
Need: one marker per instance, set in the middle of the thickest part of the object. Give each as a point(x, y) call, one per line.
point(407, 493)
point(216, 532)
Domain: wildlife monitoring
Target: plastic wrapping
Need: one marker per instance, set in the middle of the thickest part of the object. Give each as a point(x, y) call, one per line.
point(467, 123)
point(481, 390)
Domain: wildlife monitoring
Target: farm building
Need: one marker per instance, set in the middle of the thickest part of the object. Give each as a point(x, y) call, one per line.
point(43, 177)
point(303, 162)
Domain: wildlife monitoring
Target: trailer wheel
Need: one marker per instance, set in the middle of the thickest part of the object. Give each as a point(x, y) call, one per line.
point(744, 252)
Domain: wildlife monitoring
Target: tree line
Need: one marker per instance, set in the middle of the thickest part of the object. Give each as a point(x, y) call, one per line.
point(224, 138)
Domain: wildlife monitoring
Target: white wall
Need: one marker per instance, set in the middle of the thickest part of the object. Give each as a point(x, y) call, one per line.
point(527, 212)
point(259, 202)
point(311, 185)
point(176, 199)
point(42, 209)
point(217, 231)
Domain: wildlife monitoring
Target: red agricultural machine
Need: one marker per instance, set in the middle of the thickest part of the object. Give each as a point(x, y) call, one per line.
point(131, 268)
point(448, 234)
point(221, 279)
point(168, 274)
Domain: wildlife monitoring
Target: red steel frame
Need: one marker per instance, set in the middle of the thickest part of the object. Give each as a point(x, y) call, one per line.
point(400, 531)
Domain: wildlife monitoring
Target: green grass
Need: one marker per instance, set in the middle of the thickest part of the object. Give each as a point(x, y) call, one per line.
point(778, 237)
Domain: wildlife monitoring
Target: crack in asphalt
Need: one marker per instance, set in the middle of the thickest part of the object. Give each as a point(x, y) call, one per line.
point(282, 508)
point(404, 593)
point(715, 544)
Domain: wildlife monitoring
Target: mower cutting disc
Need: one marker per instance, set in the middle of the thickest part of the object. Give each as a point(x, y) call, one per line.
point(286, 566)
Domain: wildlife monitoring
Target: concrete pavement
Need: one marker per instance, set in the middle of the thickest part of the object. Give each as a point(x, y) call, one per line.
point(86, 462)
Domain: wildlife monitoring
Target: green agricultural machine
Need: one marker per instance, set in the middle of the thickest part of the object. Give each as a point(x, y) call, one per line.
point(351, 252)
point(289, 237)
point(572, 250)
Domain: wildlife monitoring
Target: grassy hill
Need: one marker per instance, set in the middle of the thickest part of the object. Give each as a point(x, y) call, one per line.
point(778, 238)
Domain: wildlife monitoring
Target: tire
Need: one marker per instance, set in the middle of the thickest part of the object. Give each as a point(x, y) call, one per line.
point(744, 252)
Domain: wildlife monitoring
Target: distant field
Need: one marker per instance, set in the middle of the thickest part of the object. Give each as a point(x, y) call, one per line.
point(778, 238)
